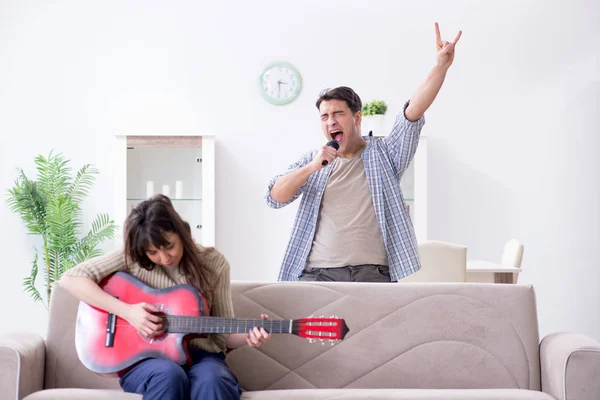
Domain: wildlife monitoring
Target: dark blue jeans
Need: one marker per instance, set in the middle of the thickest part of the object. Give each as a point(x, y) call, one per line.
point(349, 273)
point(209, 378)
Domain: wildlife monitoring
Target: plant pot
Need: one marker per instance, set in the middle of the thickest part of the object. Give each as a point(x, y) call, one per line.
point(373, 123)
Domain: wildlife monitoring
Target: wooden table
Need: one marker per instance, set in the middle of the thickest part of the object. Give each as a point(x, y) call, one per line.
point(486, 271)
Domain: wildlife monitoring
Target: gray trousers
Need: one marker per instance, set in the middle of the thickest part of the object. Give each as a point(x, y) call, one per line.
point(349, 273)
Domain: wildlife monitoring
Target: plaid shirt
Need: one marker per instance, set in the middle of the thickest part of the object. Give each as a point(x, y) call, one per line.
point(385, 160)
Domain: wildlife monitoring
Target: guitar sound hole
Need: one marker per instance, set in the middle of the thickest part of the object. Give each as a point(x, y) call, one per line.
point(163, 312)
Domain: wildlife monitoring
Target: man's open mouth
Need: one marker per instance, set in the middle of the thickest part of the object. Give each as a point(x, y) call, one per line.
point(337, 135)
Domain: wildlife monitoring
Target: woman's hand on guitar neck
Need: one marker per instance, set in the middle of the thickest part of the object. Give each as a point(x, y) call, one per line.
point(257, 336)
point(254, 338)
point(141, 318)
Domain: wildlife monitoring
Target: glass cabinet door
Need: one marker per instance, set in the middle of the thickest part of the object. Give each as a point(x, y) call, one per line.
point(407, 184)
point(174, 172)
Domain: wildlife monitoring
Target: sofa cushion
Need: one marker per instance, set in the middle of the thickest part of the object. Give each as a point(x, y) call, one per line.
point(82, 394)
point(417, 335)
point(407, 394)
point(313, 394)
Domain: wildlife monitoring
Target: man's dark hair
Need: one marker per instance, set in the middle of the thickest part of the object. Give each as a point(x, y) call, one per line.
point(341, 93)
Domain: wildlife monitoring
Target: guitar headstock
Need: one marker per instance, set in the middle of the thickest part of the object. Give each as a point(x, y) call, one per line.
point(323, 329)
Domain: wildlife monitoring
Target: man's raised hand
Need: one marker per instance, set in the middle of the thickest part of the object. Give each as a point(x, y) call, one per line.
point(445, 49)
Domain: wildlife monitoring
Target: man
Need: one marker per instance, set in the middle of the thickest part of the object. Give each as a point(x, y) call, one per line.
point(352, 223)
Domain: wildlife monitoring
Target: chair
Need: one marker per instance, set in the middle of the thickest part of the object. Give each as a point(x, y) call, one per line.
point(512, 256)
point(440, 262)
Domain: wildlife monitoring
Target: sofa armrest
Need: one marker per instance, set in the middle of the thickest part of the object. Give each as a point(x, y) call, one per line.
point(22, 358)
point(570, 366)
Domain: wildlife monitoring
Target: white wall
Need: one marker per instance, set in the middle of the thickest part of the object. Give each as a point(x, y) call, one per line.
point(514, 132)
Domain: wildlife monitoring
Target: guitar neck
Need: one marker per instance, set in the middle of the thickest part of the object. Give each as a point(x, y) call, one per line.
point(190, 324)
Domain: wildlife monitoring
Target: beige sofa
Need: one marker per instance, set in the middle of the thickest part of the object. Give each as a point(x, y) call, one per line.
point(412, 341)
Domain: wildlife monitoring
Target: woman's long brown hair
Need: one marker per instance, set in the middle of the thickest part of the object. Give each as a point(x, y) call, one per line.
point(148, 223)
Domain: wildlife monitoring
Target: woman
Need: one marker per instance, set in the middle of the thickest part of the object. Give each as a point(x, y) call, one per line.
point(159, 251)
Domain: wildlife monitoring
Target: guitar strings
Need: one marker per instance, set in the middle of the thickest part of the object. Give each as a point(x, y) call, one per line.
point(126, 324)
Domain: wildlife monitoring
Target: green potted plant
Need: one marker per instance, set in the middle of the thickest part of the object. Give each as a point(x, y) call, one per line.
point(373, 116)
point(51, 208)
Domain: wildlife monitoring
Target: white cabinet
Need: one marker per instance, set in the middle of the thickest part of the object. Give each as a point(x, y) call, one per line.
point(181, 167)
point(414, 189)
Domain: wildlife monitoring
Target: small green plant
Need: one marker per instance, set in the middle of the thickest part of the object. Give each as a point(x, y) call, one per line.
point(374, 107)
point(50, 207)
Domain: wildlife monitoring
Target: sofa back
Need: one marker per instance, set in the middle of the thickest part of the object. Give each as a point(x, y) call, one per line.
point(414, 335)
point(429, 335)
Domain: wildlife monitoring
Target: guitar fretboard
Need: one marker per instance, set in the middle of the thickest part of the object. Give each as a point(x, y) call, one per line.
point(189, 324)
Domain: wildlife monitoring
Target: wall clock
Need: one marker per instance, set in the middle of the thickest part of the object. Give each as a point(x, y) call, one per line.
point(280, 83)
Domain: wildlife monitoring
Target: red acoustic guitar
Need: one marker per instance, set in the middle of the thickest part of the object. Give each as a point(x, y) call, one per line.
point(107, 344)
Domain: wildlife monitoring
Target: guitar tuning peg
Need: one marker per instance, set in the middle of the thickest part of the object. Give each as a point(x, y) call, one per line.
point(332, 342)
point(322, 342)
point(311, 340)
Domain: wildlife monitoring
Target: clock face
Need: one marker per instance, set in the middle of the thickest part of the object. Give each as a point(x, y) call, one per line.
point(280, 83)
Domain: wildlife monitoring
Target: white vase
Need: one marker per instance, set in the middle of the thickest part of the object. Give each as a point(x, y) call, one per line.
point(373, 123)
point(178, 189)
point(149, 189)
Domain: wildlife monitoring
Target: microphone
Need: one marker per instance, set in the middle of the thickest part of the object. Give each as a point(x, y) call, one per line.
point(332, 143)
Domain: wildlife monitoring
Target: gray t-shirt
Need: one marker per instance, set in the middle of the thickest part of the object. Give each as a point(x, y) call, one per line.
point(347, 229)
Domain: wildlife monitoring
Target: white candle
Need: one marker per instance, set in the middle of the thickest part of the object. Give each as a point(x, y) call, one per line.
point(178, 189)
point(166, 190)
point(149, 189)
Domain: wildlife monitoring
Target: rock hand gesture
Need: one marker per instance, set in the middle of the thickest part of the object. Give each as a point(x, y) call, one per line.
point(445, 49)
